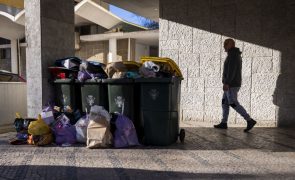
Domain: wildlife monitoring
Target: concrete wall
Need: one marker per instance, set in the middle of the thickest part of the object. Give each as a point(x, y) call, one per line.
point(50, 34)
point(122, 49)
point(141, 50)
point(98, 50)
point(13, 98)
point(192, 33)
point(154, 51)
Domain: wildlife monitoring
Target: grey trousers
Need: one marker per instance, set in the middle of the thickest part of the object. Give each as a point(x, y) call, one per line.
point(230, 98)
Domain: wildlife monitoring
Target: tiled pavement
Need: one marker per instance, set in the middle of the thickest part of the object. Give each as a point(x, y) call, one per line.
point(265, 153)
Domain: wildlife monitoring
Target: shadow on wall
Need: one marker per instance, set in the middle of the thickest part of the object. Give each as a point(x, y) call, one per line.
point(262, 23)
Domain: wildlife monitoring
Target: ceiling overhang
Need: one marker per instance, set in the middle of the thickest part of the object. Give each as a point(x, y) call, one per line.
point(91, 11)
point(96, 14)
point(86, 12)
point(150, 37)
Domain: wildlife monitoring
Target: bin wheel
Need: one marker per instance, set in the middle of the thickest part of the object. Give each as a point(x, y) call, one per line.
point(182, 135)
point(143, 140)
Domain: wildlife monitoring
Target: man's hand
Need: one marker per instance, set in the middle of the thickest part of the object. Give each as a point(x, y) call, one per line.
point(225, 87)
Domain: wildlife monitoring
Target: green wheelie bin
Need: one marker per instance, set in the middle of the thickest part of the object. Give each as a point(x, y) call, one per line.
point(159, 106)
point(121, 96)
point(67, 94)
point(94, 92)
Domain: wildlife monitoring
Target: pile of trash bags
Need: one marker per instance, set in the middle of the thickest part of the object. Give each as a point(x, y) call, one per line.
point(82, 70)
point(75, 68)
point(91, 70)
point(148, 69)
point(98, 129)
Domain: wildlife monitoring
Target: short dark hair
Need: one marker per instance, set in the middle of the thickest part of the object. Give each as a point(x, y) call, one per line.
point(230, 40)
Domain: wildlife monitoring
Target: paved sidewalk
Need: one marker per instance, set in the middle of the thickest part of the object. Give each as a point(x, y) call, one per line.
point(265, 153)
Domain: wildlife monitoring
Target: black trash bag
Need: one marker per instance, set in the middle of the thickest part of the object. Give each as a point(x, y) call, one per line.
point(21, 124)
point(74, 116)
point(18, 124)
point(114, 117)
point(91, 70)
point(96, 68)
point(162, 74)
point(71, 63)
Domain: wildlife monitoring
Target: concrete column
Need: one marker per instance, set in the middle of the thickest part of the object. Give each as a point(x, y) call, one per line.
point(112, 56)
point(14, 59)
point(50, 36)
point(129, 49)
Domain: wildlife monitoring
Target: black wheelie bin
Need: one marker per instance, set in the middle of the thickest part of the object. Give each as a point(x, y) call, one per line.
point(122, 95)
point(94, 92)
point(159, 105)
point(67, 94)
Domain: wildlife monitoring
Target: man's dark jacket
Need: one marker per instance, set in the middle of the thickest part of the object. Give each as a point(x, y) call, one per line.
point(232, 69)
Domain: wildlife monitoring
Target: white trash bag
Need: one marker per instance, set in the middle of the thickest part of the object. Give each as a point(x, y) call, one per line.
point(81, 129)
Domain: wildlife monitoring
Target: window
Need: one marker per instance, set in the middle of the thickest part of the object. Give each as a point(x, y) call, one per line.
point(5, 53)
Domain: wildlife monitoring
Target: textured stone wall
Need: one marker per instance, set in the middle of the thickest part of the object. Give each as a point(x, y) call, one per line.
point(192, 33)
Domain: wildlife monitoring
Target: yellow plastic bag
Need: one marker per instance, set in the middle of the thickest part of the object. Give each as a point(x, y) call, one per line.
point(38, 127)
point(41, 140)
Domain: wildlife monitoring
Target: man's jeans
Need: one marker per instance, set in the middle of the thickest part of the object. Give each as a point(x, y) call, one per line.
point(230, 98)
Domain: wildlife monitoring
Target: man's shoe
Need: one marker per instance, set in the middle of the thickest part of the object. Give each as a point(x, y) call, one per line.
point(221, 126)
point(250, 125)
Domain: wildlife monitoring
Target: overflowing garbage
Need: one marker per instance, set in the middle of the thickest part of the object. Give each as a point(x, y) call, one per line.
point(91, 70)
point(95, 105)
point(93, 130)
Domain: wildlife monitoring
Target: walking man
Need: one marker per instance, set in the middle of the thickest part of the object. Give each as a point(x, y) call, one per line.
point(231, 79)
